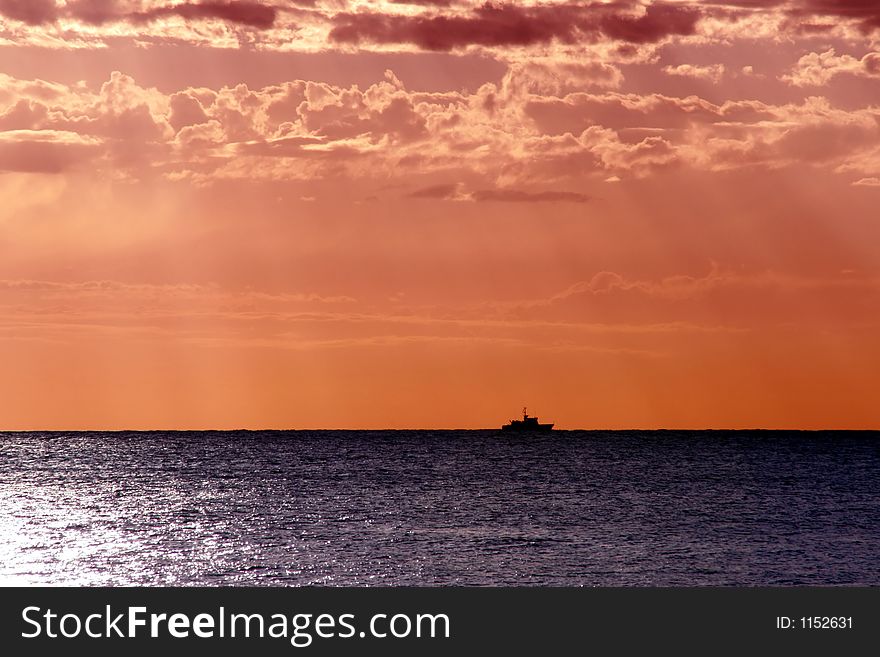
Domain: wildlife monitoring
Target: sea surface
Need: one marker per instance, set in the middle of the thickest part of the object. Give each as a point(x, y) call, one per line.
point(583, 508)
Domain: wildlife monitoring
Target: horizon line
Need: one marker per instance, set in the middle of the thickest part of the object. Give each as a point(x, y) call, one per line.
point(606, 429)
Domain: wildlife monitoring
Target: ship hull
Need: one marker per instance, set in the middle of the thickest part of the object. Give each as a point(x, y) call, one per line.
point(539, 428)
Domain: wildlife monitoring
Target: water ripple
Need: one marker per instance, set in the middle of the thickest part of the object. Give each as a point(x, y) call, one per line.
point(439, 508)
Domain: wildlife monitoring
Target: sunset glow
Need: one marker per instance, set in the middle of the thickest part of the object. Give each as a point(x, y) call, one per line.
point(429, 213)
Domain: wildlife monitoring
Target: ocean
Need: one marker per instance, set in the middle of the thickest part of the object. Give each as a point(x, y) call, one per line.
point(431, 508)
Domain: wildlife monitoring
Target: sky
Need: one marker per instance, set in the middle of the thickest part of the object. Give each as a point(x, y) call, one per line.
point(431, 213)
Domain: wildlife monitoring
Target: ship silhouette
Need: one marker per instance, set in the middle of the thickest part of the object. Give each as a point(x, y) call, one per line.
point(527, 424)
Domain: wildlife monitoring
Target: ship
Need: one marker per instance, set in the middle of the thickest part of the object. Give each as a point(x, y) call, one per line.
point(527, 424)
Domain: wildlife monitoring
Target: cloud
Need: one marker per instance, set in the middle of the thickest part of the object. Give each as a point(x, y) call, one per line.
point(251, 14)
point(742, 299)
point(865, 13)
point(711, 73)
point(503, 25)
point(629, 26)
point(424, 3)
point(505, 136)
point(867, 182)
point(121, 109)
point(444, 191)
point(455, 192)
point(578, 111)
point(813, 133)
point(747, 4)
point(818, 69)
point(99, 12)
point(32, 12)
point(383, 109)
point(519, 196)
point(211, 315)
point(186, 110)
point(554, 77)
point(658, 22)
point(45, 151)
point(494, 25)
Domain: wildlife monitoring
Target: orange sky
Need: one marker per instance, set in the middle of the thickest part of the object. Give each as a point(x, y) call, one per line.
point(321, 214)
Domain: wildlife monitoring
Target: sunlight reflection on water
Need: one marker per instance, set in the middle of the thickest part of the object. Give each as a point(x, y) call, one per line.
point(427, 508)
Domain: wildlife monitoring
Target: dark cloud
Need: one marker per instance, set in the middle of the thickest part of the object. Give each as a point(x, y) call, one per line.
point(489, 26)
point(658, 21)
point(98, 12)
point(867, 12)
point(32, 12)
point(746, 4)
point(513, 25)
point(424, 3)
point(517, 196)
point(858, 8)
point(436, 191)
point(252, 14)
